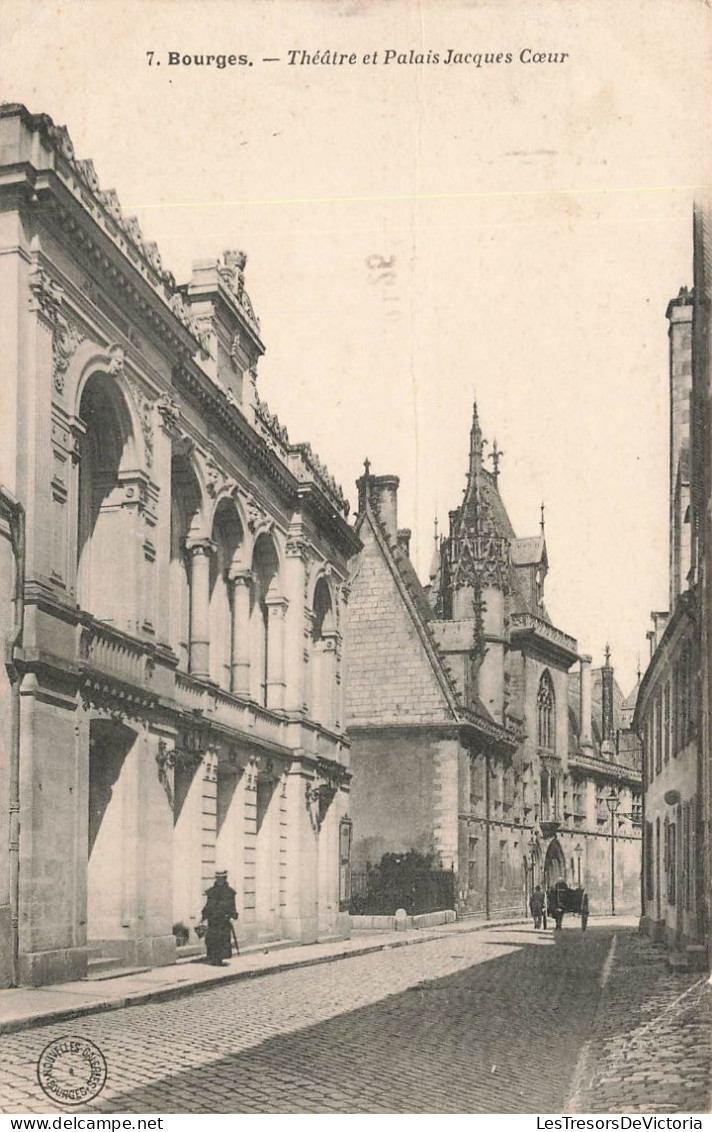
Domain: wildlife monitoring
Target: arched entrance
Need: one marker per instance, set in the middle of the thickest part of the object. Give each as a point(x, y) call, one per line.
point(554, 864)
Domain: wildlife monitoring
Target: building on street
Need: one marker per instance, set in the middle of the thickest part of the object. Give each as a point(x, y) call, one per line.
point(471, 738)
point(171, 701)
point(672, 713)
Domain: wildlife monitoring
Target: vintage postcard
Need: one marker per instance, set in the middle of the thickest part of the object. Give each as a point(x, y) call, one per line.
point(355, 544)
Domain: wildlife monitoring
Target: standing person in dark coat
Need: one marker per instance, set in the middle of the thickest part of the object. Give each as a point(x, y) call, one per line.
point(557, 903)
point(536, 905)
point(219, 910)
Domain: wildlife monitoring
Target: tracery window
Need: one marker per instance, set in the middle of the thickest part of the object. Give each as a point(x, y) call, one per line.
point(546, 712)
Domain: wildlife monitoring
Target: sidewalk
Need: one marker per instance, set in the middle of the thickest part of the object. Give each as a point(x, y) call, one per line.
point(24, 1007)
point(651, 1043)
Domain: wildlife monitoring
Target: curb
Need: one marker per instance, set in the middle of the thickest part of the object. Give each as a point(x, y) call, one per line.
point(164, 994)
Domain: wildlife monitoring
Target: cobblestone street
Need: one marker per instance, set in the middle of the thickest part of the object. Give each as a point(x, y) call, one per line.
point(502, 1020)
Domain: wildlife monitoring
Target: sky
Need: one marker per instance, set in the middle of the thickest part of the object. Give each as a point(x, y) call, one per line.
point(421, 234)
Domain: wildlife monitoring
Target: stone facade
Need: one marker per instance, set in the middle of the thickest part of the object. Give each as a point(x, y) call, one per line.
point(179, 699)
point(672, 713)
point(464, 743)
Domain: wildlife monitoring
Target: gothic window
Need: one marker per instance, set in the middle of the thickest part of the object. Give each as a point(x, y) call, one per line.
point(546, 713)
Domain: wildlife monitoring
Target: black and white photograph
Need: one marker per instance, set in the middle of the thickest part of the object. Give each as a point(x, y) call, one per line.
point(355, 560)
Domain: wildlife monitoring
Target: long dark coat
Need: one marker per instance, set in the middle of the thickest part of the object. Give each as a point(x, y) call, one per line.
point(536, 903)
point(219, 910)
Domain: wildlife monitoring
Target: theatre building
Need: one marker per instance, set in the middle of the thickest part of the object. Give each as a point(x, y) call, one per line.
point(171, 699)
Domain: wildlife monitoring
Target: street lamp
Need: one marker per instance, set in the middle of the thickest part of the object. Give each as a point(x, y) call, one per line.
point(578, 851)
point(532, 858)
point(613, 802)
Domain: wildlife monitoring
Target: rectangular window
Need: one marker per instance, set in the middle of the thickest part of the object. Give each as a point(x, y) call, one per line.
point(692, 865)
point(649, 857)
point(658, 733)
point(477, 782)
point(472, 864)
point(345, 832)
point(666, 723)
point(671, 860)
point(578, 799)
point(503, 864)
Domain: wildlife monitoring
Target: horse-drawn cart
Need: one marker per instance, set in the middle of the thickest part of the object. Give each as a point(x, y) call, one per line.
point(562, 899)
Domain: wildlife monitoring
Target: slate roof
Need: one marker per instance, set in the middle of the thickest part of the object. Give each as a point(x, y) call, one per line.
point(422, 614)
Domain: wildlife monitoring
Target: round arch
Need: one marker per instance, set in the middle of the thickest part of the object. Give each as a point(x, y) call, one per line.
point(90, 365)
point(225, 499)
point(106, 581)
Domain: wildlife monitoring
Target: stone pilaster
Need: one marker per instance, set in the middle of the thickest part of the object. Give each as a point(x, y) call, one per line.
point(297, 635)
point(277, 611)
point(300, 912)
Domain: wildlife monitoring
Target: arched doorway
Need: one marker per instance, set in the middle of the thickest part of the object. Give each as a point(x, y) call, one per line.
point(554, 864)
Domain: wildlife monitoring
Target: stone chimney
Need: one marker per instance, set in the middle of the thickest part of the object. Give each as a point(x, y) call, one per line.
point(382, 493)
point(607, 727)
point(404, 540)
point(384, 498)
point(679, 315)
point(585, 738)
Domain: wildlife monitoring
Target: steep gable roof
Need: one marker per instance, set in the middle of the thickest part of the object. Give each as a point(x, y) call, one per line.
point(415, 603)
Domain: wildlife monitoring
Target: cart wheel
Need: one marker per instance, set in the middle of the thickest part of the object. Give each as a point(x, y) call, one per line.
point(584, 921)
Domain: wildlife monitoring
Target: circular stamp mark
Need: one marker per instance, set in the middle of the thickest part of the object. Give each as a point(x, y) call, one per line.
point(71, 1070)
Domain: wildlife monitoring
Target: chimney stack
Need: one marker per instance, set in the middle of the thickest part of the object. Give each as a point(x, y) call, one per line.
point(679, 315)
point(404, 540)
point(607, 727)
point(384, 497)
point(585, 738)
point(382, 493)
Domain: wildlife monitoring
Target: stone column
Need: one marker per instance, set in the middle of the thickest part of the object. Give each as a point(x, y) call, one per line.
point(240, 646)
point(277, 611)
point(200, 551)
point(586, 739)
point(297, 637)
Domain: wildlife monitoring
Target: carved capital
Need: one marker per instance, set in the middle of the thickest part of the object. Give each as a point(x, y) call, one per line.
point(45, 294)
point(277, 607)
point(204, 546)
point(298, 547)
point(239, 577)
